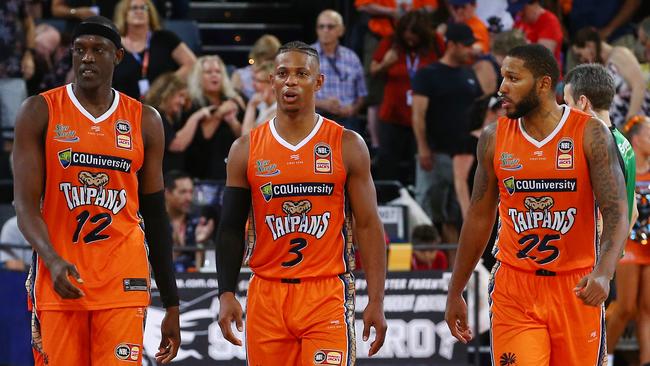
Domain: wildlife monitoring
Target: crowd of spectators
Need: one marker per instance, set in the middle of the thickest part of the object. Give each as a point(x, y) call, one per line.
point(419, 89)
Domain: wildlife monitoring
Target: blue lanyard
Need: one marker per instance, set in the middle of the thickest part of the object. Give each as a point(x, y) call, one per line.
point(412, 66)
point(137, 56)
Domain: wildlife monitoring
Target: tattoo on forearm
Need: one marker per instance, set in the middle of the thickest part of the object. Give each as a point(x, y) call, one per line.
point(608, 188)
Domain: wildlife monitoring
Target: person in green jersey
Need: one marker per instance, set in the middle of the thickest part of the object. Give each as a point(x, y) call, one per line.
point(590, 88)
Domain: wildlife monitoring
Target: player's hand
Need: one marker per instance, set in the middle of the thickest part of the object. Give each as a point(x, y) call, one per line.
point(170, 331)
point(456, 318)
point(593, 289)
point(61, 270)
point(230, 311)
point(373, 316)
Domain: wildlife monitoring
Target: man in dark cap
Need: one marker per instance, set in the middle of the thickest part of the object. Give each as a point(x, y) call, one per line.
point(89, 172)
point(443, 94)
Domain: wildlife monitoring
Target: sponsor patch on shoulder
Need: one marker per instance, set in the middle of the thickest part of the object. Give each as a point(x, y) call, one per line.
point(135, 284)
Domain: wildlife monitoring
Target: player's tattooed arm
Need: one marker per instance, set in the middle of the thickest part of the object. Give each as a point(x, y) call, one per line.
point(609, 189)
point(474, 234)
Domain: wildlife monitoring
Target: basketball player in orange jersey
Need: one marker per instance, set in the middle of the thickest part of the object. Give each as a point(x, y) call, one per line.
point(547, 166)
point(300, 171)
point(89, 159)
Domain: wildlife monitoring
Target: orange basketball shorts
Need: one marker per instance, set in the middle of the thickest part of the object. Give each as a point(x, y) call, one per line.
point(310, 322)
point(94, 338)
point(537, 320)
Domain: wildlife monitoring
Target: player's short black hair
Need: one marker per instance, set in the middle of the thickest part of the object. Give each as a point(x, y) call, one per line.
point(299, 46)
point(594, 82)
point(539, 60)
point(172, 176)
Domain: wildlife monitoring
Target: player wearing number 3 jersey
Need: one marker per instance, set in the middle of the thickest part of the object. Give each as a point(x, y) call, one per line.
point(550, 168)
point(88, 162)
point(301, 172)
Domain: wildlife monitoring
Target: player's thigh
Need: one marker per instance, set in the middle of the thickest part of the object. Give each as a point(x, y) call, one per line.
point(118, 336)
point(268, 340)
point(518, 341)
point(577, 330)
point(328, 337)
point(65, 338)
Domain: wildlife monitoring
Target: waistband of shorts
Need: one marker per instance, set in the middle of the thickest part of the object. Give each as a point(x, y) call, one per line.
point(540, 272)
point(295, 281)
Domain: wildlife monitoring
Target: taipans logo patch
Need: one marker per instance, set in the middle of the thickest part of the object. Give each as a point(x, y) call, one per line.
point(63, 133)
point(322, 158)
point(565, 152)
point(128, 352)
point(266, 169)
point(509, 162)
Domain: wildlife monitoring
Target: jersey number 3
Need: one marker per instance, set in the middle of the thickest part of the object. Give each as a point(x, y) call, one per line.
point(297, 245)
point(102, 220)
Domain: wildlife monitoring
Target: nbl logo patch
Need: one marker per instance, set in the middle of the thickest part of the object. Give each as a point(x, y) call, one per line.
point(128, 352)
point(564, 154)
point(123, 134)
point(322, 159)
point(328, 357)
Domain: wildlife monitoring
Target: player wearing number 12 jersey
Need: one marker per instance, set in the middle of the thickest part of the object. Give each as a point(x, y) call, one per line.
point(89, 162)
point(547, 166)
point(300, 171)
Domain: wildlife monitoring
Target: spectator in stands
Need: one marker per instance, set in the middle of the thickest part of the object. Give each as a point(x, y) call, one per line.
point(464, 11)
point(505, 41)
point(168, 95)
point(381, 16)
point(644, 38)
point(52, 59)
point(425, 255)
point(495, 12)
point(264, 50)
point(151, 51)
point(631, 96)
point(413, 46)
point(16, 66)
point(344, 90)
point(188, 229)
point(262, 105)
point(610, 18)
point(444, 93)
point(74, 11)
point(539, 25)
point(209, 85)
point(14, 259)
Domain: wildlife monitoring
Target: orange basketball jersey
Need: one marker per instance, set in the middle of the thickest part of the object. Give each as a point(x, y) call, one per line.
point(299, 217)
point(91, 202)
point(547, 211)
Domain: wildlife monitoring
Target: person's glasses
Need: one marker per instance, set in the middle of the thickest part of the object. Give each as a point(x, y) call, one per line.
point(144, 7)
point(327, 26)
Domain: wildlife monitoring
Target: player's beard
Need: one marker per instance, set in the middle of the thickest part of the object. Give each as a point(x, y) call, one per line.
point(530, 102)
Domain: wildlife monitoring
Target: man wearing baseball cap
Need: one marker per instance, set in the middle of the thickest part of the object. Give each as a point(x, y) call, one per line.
point(90, 163)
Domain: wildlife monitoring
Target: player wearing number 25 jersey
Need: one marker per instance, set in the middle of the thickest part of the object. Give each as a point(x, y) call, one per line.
point(546, 167)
